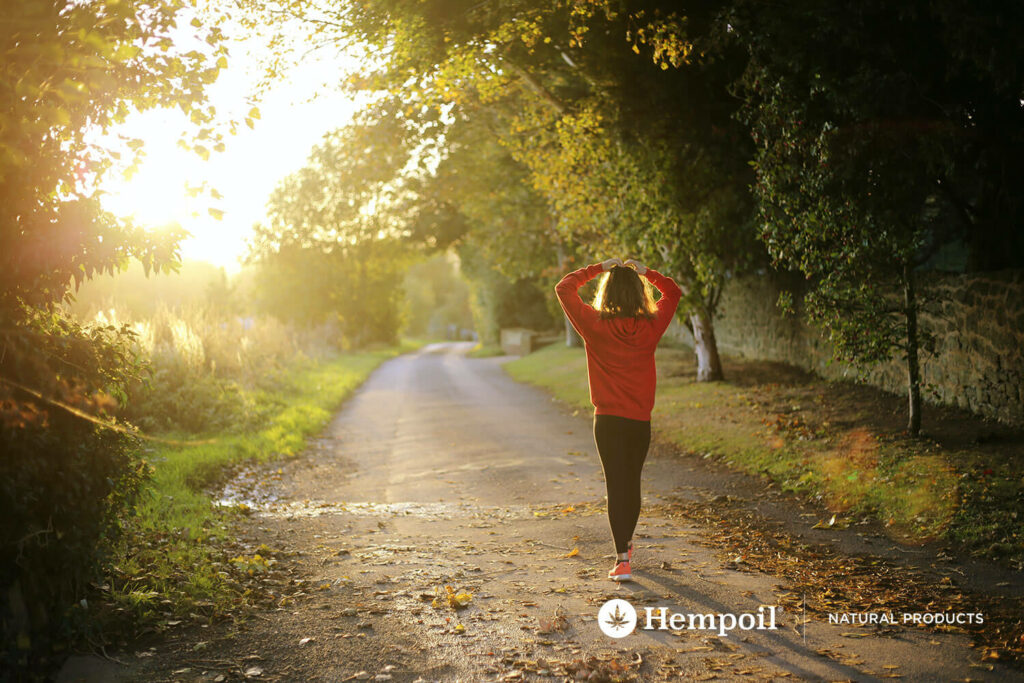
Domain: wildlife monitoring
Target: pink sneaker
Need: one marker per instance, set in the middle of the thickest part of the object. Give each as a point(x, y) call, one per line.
point(621, 572)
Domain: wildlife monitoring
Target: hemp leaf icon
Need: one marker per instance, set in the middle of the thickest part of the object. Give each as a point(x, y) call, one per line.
point(617, 619)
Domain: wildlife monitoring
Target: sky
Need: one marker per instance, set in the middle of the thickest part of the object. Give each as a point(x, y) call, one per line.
point(252, 163)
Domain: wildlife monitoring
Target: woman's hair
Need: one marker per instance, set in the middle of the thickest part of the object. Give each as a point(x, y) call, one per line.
point(623, 294)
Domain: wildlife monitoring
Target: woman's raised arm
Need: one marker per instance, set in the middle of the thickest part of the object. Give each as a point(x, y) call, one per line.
point(580, 314)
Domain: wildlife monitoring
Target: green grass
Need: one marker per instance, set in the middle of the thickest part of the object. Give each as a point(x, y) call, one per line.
point(486, 351)
point(919, 490)
point(558, 369)
point(172, 561)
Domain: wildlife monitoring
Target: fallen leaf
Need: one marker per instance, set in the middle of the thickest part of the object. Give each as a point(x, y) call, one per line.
point(823, 525)
point(448, 596)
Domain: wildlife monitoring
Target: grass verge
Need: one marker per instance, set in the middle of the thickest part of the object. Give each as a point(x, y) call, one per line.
point(178, 558)
point(838, 443)
point(485, 351)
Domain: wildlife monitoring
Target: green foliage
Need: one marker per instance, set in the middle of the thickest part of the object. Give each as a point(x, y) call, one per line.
point(64, 480)
point(846, 197)
point(69, 69)
point(502, 229)
point(194, 402)
point(637, 158)
point(506, 219)
point(882, 136)
point(206, 370)
point(879, 140)
point(498, 301)
point(356, 289)
point(331, 250)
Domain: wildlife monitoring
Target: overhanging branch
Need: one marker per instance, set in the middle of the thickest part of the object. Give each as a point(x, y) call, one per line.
point(534, 85)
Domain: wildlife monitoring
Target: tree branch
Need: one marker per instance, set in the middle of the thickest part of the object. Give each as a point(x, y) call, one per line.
point(538, 89)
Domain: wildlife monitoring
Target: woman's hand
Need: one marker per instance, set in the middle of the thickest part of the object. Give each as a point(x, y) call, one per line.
point(610, 263)
point(639, 267)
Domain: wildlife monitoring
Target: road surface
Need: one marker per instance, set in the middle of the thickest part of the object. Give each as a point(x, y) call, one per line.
point(441, 470)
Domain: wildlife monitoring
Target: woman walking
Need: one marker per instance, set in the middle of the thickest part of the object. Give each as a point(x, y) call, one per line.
point(620, 332)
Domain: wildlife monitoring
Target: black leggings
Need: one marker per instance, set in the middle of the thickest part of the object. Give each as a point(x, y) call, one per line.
point(622, 444)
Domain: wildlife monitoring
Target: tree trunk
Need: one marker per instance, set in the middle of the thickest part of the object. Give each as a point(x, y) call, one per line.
point(709, 365)
point(913, 361)
point(572, 339)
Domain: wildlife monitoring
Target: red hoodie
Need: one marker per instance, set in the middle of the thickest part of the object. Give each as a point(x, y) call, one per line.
point(620, 351)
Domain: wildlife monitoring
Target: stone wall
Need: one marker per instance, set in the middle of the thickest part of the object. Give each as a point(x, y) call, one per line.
point(977, 319)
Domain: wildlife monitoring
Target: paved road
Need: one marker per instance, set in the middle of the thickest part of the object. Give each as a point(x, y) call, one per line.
point(441, 470)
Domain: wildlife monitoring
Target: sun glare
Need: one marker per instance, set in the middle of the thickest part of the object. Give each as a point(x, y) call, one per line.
point(294, 115)
point(158, 193)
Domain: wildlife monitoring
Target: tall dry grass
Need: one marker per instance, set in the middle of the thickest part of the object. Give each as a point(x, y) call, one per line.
point(210, 370)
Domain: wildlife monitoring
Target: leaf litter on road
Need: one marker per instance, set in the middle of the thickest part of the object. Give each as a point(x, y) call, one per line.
point(556, 622)
point(822, 580)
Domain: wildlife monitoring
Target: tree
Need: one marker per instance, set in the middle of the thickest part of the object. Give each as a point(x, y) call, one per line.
point(69, 70)
point(72, 69)
point(882, 135)
point(508, 246)
point(637, 155)
point(629, 153)
point(332, 249)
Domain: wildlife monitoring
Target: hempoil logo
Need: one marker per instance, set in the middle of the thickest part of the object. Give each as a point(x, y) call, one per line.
point(724, 622)
point(617, 619)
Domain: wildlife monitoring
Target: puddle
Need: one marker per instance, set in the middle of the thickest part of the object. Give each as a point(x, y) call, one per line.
point(248, 487)
point(253, 485)
point(251, 489)
point(424, 510)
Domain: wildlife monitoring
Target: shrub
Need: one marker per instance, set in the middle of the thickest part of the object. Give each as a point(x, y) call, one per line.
point(62, 485)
